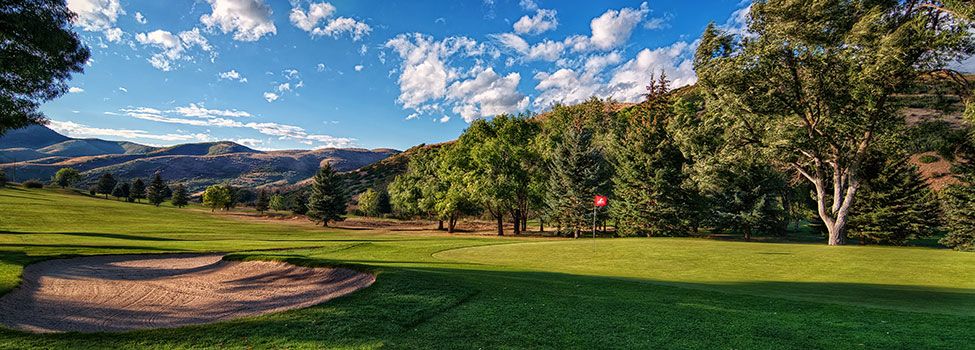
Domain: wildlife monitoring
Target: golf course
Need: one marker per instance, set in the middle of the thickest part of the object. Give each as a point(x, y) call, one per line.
point(464, 291)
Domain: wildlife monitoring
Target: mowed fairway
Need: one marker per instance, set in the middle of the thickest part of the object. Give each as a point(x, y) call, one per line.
point(443, 292)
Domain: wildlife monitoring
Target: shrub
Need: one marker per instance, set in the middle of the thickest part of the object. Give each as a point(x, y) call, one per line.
point(928, 159)
point(33, 184)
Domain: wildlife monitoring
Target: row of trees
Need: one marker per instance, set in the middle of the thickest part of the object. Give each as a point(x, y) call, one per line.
point(155, 193)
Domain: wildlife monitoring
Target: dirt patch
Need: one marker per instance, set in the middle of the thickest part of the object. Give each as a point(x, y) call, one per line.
point(125, 292)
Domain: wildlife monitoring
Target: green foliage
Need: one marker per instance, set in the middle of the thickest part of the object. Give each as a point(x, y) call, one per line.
point(578, 172)
point(137, 191)
point(299, 203)
point(648, 198)
point(180, 197)
point(812, 86)
point(433, 184)
point(745, 197)
point(106, 184)
point(156, 193)
point(216, 196)
point(895, 205)
point(374, 203)
point(121, 190)
point(3, 179)
point(327, 201)
point(66, 177)
point(263, 202)
point(959, 207)
point(277, 202)
point(40, 52)
point(928, 159)
point(33, 184)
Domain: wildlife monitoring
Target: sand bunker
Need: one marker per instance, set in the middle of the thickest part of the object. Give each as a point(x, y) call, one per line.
point(125, 292)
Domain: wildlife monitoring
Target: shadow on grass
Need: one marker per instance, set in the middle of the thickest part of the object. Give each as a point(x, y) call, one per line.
point(96, 234)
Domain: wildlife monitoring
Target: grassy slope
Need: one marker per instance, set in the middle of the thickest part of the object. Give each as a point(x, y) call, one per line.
point(422, 299)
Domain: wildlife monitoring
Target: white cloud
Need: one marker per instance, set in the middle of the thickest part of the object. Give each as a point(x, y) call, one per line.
point(445, 119)
point(613, 28)
point(487, 95)
point(250, 142)
point(249, 20)
point(75, 90)
point(172, 46)
point(342, 25)
point(308, 20)
point(363, 49)
point(283, 87)
point(543, 21)
point(122, 89)
point(113, 35)
point(96, 15)
point(270, 96)
point(200, 112)
point(528, 5)
point(140, 18)
point(79, 130)
point(512, 41)
point(412, 116)
point(425, 70)
point(547, 51)
point(358, 68)
point(232, 75)
point(737, 24)
point(321, 67)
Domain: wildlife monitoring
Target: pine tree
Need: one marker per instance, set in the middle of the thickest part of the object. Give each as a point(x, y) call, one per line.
point(744, 196)
point(299, 204)
point(157, 189)
point(138, 190)
point(959, 208)
point(121, 190)
point(3, 179)
point(648, 199)
point(106, 184)
point(578, 172)
point(327, 201)
point(180, 198)
point(262, 202)
point(894, 206)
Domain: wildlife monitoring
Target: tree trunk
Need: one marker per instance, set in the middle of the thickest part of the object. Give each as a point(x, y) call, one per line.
point(500, 225)
point(748, 233)
point(541, 226)
point(516, 215)
point(440, 226)
point(451, 224)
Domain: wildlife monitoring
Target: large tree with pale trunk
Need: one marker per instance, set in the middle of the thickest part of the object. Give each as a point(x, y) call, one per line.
point(812, 82)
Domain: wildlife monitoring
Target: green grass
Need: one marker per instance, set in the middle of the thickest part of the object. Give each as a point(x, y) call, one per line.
point(443, 292)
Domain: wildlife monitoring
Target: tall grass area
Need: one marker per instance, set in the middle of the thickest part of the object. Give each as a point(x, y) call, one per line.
point(456, 292)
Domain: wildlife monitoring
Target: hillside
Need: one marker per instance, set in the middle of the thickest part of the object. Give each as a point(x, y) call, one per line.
point(38, 152)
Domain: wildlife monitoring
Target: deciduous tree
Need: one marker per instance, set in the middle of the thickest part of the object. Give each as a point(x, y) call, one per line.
point(66, 177)
point(216, 196)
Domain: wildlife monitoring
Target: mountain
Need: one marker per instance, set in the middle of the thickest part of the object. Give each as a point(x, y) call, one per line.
point(37, 152)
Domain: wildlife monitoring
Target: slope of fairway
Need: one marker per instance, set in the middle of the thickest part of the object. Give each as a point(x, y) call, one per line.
point(922, 280)
point(548, 298)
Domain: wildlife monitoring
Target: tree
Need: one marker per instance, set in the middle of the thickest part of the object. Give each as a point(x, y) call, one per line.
point(106, 184)
point(895, 205)
point(327, 201)
point(167, 192)
point(277, 202)
point(3, 179)
point(39, 54)
point(369, 203)
point(138, 190)
point(813, 85)
point(959, 207)
point(744, 195)
point(157, 190)
point(121, 190)
point(262, 201)
point(66, 177)
point(180, 198)
point(578, 172)
point(648, 198)
point(216, 196)
point(299, 203)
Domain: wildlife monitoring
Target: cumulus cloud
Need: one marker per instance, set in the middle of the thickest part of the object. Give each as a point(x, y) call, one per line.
point(172, 46)
point(79, 130)
point(335, 27)
point(613, 28)
point(546, 50)
point(320, 67)
point(528, 5)
point(232, 75)
point(249, 20)
point(543, 21)
point(358, 68)
point(270, 96)
point(487, 95)
point(95, 15)
point(425, 70)
point(412, 116)
point(445, 118)
point(122, 89)
point(140, 18)
point(113, 35)
point(75, 90)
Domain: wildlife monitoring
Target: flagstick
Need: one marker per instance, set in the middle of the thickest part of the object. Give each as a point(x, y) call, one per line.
point(594, 228)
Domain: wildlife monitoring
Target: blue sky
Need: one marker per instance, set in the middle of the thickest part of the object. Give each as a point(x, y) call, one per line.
point(275, 74)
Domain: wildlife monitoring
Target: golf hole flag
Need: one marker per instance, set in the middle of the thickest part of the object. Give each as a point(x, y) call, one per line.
point(600, 201)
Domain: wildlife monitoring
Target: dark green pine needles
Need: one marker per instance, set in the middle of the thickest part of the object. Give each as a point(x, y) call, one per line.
point(328, 200)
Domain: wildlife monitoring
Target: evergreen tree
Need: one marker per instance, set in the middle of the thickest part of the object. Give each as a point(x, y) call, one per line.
point(180, 198)
point(299, 204)
point(3, 179)
point(66, 177)
point(262, 202)
point(127, 192)
point(578, 172)
point(383, 205)
point(138, 190)
point(106, 184)
point(959, 209)
point(277, 202)
point(744, 196)
point(216, 196)
point(648, 198)
point(894, 206)
point(156, 191)
point(328, 200)
point(121, 190)
point(167, 192)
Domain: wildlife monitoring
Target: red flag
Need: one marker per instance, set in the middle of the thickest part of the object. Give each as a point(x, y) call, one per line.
point(600, 201)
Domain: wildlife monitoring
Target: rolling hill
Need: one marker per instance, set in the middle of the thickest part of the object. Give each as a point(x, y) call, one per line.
point(37, 152)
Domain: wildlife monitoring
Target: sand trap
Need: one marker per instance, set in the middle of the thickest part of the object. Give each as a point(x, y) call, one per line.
point(125, 292)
